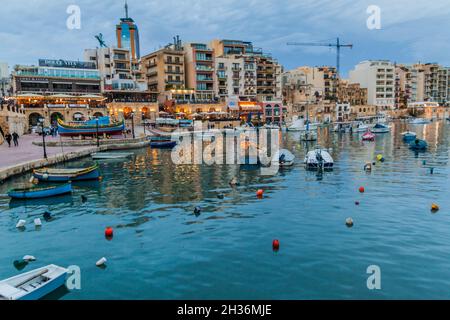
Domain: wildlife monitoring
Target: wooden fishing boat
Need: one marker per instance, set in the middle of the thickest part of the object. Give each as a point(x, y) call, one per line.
point(111, 155)
point(35, 193)
point(33, 285)
point(64, 175)
point(68, 130)
point(163, 144)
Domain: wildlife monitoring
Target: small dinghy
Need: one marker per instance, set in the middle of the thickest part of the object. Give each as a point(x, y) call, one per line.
point(420, 121)
point(361, 127)
point(319, 159)
point(368, 136)
point(64, 175)
point(35, 193)
point(418, 145)
point(111, 155)
point(283, 159)
point(33, 285)
point(381, 128)
point(409, 136)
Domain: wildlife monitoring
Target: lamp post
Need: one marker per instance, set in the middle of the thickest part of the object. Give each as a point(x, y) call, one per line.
point(41, 120)
point(98, 139)
point(132, 124)
point(143, 118)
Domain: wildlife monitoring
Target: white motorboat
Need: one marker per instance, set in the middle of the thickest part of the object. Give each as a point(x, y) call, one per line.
point(270, 126)
point(420, 121)
point(111, 155)
point(319, 159)
point(381, 128)
point(34, 284)
point(362, 127)
point(283, 159)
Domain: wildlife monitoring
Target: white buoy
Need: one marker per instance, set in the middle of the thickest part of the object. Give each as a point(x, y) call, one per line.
point(45, 176)
point(28, 258)
point(101, 262)
point(31, 179)
point(37, 222)
point(349, 222)
point(21, 224)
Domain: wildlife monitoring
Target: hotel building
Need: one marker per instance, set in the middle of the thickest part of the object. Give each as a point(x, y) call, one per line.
point(127, 34)
point(199, 68)
point(378, 77)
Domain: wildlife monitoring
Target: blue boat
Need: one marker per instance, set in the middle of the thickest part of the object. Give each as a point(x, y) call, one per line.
point(418, 145)
point(35, 193)
point(163, 144)
point(409, 136)
point(90, 129)
point(64, 175)
point(33, 285)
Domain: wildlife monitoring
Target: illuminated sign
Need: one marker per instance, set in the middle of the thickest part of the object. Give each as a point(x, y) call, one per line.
point(67, 64)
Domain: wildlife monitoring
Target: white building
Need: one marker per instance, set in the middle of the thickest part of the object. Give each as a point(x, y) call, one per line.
point(229, 77)
point(4, 78)
point(378, 77)
point(116, 69)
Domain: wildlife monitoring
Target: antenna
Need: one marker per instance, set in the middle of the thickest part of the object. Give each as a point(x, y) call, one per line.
point(126, 9)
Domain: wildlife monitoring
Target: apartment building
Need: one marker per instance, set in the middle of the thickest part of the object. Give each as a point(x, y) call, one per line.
point(351, 93)
point(164, 71)
point(378, 77)
point(199, 68)
point(229, 77)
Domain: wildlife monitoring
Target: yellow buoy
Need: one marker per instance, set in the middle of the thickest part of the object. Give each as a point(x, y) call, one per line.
point(379, 157)
point(434, 207)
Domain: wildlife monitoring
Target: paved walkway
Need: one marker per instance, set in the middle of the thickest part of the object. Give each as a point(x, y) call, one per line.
point(27, 151)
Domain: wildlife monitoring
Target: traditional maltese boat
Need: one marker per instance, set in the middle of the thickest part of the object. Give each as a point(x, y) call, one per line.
point(90, 128)
point(64, 175)
point(36, 193)
point(33, 285)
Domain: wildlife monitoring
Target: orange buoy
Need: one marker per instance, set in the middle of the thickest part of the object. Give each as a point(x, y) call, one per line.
point(109, 232)
point(260, 193)
point(362, 190)
point(276, 245)
point(434, 207)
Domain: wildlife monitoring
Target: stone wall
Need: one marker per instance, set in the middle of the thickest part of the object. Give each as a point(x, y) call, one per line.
point(12, 119)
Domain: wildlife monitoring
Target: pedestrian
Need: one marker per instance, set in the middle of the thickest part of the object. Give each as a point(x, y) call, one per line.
point(15, 137)
point(8, 138)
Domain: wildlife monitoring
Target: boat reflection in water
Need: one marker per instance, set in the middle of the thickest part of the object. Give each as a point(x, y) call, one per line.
point(66, 199)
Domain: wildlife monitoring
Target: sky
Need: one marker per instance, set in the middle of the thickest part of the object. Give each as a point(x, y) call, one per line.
point(410, 31)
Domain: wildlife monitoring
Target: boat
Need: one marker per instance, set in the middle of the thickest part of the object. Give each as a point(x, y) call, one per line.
point(111, 155)
point(319, 159)
point(33, 285)
point(64, 175)
point(361, 127)
point(418, 145)
point(381, 128)
point(89, 129)
point(35, 193)
point(368, 136)
point(409, 136)
point(297, 125)
point(420, 121)
point(283, 159)
point(163, 144)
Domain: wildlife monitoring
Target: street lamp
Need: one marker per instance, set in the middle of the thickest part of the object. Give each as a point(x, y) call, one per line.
point(132, 124)
point(143, 118)
point(41, 120)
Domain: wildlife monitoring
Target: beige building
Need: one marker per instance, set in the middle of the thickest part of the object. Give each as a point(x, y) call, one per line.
point(12, 119)
point(164, 70)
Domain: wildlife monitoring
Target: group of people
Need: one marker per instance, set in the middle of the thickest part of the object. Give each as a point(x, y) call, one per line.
point(14, 137)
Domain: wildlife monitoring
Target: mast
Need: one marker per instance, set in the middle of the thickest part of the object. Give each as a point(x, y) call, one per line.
point(126, 9)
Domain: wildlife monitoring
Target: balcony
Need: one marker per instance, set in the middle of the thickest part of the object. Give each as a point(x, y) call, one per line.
point(152, 73)
point(173, 62)
point(173, 71)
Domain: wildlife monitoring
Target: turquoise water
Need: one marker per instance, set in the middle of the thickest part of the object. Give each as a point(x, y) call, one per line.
point(162, 250)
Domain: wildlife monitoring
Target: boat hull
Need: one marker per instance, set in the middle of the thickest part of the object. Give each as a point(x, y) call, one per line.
point(163, 144)
point(40, 193)
point(47, 289)
point(65, 130)
point(47, 175)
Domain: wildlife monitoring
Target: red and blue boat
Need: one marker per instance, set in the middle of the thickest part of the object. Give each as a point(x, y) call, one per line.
point(64, 175)
point(90, 128)
point(36, 193)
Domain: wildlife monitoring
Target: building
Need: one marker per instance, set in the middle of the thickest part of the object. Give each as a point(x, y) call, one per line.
point(12, 118)
point(4, 79)
point(199, 68)
point(127, 34)
point(351, 93)
point(229, 78)
point(57, 77)
point(164, 71)
point(378, 77)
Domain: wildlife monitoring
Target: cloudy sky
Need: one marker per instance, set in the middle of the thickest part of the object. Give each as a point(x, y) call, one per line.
point(410, 30)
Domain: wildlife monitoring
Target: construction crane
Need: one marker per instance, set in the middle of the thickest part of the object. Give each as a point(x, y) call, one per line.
point(336, 45)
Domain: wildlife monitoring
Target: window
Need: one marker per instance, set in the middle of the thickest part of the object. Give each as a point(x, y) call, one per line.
point(221, 65)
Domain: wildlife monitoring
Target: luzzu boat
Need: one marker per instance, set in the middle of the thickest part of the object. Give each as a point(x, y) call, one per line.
point(36, 193)
point(90, 128)
point(64, 175)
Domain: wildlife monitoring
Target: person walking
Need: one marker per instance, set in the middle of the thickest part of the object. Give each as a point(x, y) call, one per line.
point(8, 138)
point(15, 137)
